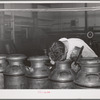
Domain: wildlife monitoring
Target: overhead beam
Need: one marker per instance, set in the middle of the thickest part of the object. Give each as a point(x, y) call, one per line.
point(53, 9)
point(48, 1)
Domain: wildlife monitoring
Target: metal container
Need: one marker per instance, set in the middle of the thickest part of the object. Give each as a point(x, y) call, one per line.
point(89, 75)
point(62, 76)
point(37, 74)
point(3, 65)
point(14, 75)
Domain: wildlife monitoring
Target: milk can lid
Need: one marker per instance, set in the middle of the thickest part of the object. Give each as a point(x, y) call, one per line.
point(3, 56)
point(16, 56)
point(89, 60)
point(38, 58)
point(64, 62)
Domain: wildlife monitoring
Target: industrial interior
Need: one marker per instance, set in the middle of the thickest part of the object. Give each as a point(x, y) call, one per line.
point(33, 31)
point(30, 29)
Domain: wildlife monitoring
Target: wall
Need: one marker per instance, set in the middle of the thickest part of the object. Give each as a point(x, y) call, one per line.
point(62, 23)
point(50, 26)
point(94, 20)
point(19, 6)
point(1, 22)
point(63, 19)
point(19, 25)
point(43, 22)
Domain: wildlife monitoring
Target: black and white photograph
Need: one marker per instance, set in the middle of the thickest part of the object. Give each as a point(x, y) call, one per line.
point(48, 47)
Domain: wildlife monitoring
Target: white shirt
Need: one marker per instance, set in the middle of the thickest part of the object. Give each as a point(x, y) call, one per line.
point(72, 42)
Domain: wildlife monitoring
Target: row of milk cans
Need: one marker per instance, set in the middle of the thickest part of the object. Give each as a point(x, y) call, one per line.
point(14, 74)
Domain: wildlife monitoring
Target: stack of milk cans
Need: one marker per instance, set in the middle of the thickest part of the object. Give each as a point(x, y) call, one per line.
point(14, 74)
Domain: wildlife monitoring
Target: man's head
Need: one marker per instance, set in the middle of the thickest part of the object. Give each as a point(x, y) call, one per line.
point(57, 51)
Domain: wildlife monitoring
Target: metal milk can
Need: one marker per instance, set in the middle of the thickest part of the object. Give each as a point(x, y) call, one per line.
point(3, 65)
point(14, 75)
point(89, 75)
point(62, 76)
point(38, 72)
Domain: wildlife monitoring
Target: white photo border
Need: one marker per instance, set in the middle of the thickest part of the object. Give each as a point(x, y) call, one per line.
point(50, 93)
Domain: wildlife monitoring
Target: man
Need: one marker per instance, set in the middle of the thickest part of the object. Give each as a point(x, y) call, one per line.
point(67, 49)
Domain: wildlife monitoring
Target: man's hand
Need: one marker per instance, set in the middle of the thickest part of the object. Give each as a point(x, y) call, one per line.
point(75, 67)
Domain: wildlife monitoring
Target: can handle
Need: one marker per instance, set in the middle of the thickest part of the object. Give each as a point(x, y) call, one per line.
point(75, 67)
point(64, 73)
point(96, 76)
point(28, 69)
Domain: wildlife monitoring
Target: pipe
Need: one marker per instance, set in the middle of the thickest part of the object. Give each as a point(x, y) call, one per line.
point(86, 19)
point(54, 9)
